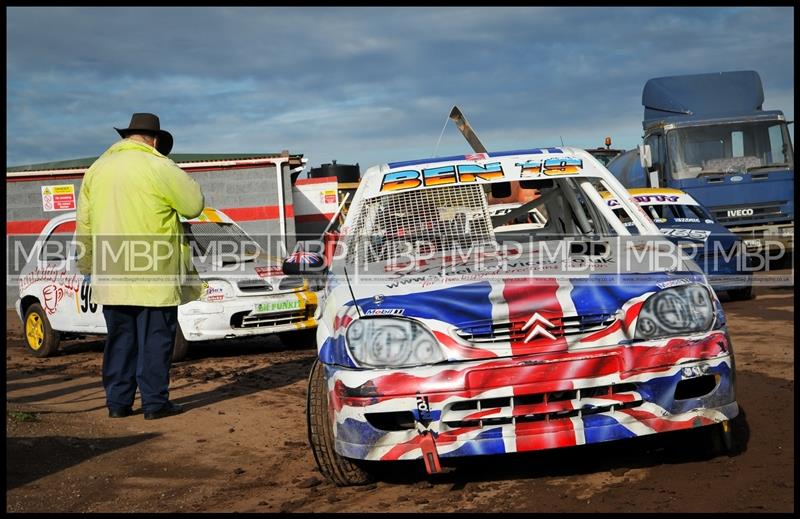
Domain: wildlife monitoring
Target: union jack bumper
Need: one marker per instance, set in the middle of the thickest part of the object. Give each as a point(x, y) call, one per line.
point(532, 402)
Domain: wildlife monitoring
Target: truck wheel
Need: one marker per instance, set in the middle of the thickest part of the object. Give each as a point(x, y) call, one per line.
point(181, 347)
point(741, 294)
point(342, 471)
point(40, 337)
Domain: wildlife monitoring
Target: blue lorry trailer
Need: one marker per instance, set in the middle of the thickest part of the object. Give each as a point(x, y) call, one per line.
point(707, 135)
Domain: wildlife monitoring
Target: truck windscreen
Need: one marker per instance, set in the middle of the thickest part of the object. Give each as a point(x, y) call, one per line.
point(730, 148)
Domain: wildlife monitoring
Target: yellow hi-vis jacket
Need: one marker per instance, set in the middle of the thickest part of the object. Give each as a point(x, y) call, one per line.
point(128, 234)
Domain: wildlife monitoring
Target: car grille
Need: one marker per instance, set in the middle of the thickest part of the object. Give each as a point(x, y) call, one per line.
point(554, 405)
point(763, 212)
point(505, 331)
point(246, 320)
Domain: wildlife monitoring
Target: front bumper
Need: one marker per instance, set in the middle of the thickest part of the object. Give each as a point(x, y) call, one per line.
point(204, 321)
point(533, 402)
point(775, 238)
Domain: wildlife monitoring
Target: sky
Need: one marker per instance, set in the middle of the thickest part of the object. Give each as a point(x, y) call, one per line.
point(366, 85)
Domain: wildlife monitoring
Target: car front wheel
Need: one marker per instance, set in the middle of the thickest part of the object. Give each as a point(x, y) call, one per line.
point(729, 437)
point(40, 337)
point(342, 471)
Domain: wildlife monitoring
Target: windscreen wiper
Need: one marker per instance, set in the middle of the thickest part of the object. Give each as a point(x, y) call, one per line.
point(710, 173)
point(767, 166)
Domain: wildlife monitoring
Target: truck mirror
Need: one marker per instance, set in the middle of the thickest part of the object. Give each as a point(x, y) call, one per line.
point(653, 178)
point(645, 157)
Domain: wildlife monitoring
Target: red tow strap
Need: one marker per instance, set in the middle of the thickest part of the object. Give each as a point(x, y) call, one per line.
point(429, 454)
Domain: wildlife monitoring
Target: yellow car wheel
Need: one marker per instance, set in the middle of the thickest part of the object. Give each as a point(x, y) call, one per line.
point(40, 337)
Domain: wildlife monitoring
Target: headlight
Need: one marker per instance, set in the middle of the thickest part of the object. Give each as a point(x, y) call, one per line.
point(215, 290)
point(390, 342)
point(676, 311)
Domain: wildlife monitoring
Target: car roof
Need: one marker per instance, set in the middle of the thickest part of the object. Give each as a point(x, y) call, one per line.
point(656, 191)
point(657, 196)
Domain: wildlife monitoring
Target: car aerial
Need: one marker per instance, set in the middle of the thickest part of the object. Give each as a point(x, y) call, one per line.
point(245, 292)
point(719, 252)
point(449, 328)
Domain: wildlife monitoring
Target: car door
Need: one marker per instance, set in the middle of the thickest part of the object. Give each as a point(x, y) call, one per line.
point(65, 293)
point(89, 315)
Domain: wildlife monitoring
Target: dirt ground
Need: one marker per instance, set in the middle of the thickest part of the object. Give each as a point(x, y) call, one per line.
point(242, 447)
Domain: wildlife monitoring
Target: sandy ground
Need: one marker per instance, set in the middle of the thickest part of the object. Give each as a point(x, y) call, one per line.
point(242, 446)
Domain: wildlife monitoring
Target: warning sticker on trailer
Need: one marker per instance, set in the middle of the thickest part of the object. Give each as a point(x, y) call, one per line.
point(328, 196)
point(58, 198)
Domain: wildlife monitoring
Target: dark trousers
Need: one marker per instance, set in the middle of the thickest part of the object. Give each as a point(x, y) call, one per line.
point(138, 352)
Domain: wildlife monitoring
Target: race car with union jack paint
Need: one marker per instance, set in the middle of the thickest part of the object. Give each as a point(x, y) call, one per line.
point(451, 329)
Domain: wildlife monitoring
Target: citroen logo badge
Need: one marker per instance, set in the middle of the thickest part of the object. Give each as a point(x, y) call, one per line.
point(538, 323)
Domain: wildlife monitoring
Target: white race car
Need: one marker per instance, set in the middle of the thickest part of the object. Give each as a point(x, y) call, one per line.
point(252, 298)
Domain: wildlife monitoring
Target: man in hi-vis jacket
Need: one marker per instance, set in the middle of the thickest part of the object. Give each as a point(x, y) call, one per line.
point(131, 242)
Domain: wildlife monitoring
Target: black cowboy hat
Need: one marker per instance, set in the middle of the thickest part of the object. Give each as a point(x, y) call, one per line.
point(148, 123)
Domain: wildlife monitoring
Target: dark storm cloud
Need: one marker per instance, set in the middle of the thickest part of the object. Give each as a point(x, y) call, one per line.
point(365, 84)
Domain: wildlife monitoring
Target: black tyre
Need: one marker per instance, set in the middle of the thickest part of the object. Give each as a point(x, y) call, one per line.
point(342, 471)
point(181, 346)
point(741, 294)
point(40, 337)
point(299, 339)
point(730, 437)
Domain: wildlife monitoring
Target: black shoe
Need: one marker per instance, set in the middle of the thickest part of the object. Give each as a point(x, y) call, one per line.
point(119, 412)
point(168, 410)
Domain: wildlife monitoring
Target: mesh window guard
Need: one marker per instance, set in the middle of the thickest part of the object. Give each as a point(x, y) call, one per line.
point(425, 220)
